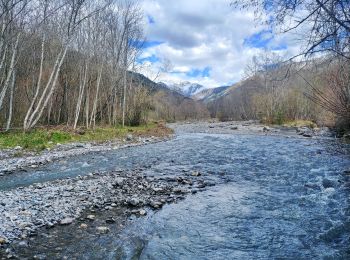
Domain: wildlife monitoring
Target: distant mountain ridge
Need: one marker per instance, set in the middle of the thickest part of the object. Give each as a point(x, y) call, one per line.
point(188, 89)
point(207, 95)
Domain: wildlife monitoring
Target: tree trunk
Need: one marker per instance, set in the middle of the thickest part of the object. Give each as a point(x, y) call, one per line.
point(8, 125)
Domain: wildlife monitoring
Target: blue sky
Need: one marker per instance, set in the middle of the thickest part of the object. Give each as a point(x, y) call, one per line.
point(204, 41)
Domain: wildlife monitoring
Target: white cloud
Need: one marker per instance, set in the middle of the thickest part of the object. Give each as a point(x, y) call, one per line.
point(203, 33)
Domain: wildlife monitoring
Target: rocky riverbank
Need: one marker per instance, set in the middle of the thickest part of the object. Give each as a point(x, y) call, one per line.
point(25, 211)
point(17, 159)
point(251, 127)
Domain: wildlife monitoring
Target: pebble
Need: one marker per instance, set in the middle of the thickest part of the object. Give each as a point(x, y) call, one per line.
point(83, 226)
point(66, 221)
point(102, 230)
point(91, 217)
point(110, 221)
point(2, 241)
point(143, 212)
point(196, 173)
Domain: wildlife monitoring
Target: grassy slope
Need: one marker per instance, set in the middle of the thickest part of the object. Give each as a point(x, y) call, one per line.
point(40, 139)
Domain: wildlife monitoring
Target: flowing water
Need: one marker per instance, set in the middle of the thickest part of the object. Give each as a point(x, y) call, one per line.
point(275, 198)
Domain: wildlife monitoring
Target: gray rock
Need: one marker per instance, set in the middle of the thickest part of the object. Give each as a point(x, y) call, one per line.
point(327, 183)
point(66, 221)
point(143, 212)
point(102, 230)
point(156, 204)
point(266, 129)
point(23, 244)
point(91, 217)
point(196, 173)
point(133, 202)
point(308, 134)
point(110, 221)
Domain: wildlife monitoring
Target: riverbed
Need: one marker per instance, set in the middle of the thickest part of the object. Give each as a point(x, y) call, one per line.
point(267, 196)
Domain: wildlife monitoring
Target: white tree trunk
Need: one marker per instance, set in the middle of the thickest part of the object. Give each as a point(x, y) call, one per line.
point(8, 124)
point(94, 107)
point(25, 123)
point(50, 86)
point(80, 97)
point(9, 73)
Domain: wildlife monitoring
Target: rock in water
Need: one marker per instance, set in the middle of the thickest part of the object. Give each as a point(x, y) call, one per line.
point(266, 129)
point(196, 174)
point(66, 221)
point(143, 212)
point(307, 134)
point(327, 183)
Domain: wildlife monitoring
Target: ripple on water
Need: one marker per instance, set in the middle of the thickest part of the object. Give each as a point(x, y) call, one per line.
point(277, 198)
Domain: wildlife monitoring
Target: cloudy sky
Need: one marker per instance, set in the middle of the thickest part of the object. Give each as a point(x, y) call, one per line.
point(204, 41)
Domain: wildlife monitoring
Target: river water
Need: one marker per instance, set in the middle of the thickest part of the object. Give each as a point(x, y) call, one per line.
point(275, 198)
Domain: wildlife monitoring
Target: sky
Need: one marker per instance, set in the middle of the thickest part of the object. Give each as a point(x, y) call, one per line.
point(204, 41)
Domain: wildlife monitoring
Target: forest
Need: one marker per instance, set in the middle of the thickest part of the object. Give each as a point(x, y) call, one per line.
point(75, 63)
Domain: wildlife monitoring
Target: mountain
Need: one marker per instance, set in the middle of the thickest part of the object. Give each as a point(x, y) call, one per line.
point(186, 88)
point(170, 104)
point(207, 95)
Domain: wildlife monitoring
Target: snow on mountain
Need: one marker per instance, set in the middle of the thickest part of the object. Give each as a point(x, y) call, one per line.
point(210, 94)
point(186, 88)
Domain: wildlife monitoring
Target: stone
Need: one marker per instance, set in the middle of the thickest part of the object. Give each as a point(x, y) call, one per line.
point(266, 129)
point(110, 221)
point(23, 244)
point(3, 240)
point(307, 135)
point(196, 173)
point(143, 212)
point(66, 221)
point(80, 132)
point(102, 230)
point(157, 189)
point(49, 225)
point(234, 128)
point(118, 182)
point(155, 204)
point(327, 183)
point(91, 217)
point(129, 137)
point(133, 202)
point(83, 226)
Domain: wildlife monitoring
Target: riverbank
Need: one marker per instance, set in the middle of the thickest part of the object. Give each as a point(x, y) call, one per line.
point(252, 127)
point(104, 139)
point(26, 210)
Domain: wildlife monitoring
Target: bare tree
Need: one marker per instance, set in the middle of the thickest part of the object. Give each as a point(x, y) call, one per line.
point(326, 22)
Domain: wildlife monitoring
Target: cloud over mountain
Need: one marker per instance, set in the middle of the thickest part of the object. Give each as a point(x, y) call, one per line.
point(206, 41)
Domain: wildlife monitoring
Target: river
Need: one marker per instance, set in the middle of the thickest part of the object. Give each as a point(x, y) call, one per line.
point(275, 198)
